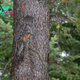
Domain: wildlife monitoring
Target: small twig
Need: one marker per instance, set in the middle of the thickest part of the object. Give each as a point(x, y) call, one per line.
point(2, 63)
point(7, 65)
point(3, 69)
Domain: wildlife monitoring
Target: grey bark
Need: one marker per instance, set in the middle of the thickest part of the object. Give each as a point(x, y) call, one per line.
point(30, 56)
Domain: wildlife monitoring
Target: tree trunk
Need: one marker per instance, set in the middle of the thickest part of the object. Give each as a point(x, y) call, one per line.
point(31, 40)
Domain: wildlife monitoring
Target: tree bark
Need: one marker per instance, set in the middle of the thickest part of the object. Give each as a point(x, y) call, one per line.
point(30, 40)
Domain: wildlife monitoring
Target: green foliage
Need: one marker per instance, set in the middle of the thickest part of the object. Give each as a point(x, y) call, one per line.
point(6, 40)
point(68, 40)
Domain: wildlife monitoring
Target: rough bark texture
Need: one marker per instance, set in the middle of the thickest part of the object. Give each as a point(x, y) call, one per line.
point(31, 40)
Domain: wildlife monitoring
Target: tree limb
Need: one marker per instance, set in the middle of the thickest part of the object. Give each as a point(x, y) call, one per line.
point(60, 18)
